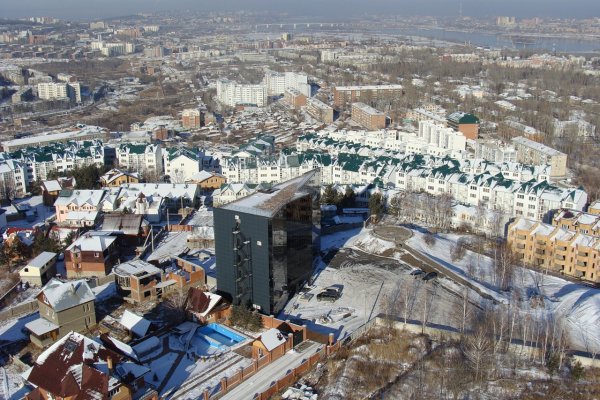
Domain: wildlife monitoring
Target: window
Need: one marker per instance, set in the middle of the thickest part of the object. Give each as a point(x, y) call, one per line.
point(97, 255)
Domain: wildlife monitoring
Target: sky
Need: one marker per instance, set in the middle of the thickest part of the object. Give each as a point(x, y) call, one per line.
point(96, 9)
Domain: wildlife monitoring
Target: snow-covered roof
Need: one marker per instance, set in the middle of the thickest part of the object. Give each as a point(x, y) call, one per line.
point(41, 326)
point(79, 197)
point(272, 338)
point(42, 259)
point(138, 268)
point(52, 186)
point(89, 242)
point(135, 323)
point(64, 295)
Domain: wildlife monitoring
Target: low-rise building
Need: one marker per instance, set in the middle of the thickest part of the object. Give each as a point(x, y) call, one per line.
point(77, 200)
point(208, 180)
point(92, 254)
point(556, 249)
point(64, 307)
point(138, 281)
point(40, 270)
point(76, 367)
point(82, 133)
point(116, 177)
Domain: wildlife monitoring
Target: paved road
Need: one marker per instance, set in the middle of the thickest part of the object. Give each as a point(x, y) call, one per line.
point(272, 372)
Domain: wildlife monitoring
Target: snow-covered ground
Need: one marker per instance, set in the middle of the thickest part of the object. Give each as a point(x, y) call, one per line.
point(579, 305)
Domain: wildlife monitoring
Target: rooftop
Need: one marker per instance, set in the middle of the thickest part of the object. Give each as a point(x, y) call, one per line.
point(268, 202)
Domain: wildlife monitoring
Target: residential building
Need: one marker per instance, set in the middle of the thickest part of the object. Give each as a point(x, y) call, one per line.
point(76, 367)
point(467, 124)
point(175, 195)
point(265, 243)
point(441, 136)
point(59, 90)
point(495, 151)
point(319, 110)
point(555, 249)
point(92, 254)
point(143, 158)
point(76, 201)
point(578, 221)
point(51, 189)
point(64, 307)
point(191, 118)
point(138, 281)
point(130, 229)
point(181, 164)
point(13, 178)
point(530, 152)
point(232, 94)
point(83, 133)
point(117, 177)
point(40, 270)
point(366, 94)
point(232, 191)
point(59, 158)
point(207, 180)
point(368, 117)
point(294, 98)
point(278, 82)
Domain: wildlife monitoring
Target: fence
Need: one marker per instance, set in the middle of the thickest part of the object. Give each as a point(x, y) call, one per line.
point(10, 294)
point(21, 309)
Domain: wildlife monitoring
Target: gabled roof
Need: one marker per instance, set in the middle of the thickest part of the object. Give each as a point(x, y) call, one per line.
point(75, 366)
point(135, 323)
point(64, 295)
point(272, 338)
point(92, 242)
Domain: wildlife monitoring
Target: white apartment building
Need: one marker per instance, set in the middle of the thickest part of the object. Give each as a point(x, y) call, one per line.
point(232, 93)
point(495, 151)
point(141, 157)
point(13, 178)
point(59, 90)
point(59, 157)
point(181, 164)
point(440, 136)
point(278, 82)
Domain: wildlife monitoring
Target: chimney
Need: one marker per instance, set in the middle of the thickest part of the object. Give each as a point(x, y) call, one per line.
point(109, 363)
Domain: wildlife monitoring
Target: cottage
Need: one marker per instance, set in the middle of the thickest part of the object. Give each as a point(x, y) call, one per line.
point(39, 270)
point(64, 307)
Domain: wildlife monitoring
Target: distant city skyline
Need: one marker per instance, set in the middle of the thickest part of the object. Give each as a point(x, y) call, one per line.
point(92, 10)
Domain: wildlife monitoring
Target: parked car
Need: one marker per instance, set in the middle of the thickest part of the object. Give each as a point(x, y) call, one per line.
point(417, 272)
point(430, 276)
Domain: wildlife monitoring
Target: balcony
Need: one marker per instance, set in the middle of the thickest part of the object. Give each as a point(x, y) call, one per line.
point(582, 264)
point(561, 248)
point(560, 258)
point(582, 254)
point(540, 252)
point(520, 246)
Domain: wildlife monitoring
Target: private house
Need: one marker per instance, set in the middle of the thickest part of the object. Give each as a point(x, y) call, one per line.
point(77, 367)
point(138, 281)
point(204, 306)
point(175, 195)
point(184, 274)
point(207, 180)
point(39, 270)
point(64, 307)
point(51, 189)
point(116, 177)
point(131, 229)
point(77, 200)
point(92, 254)
point(81, 219)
